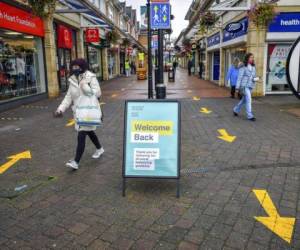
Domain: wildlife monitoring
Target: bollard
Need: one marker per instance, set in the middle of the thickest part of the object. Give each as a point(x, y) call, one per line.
point(171, 75)
point(160, 91)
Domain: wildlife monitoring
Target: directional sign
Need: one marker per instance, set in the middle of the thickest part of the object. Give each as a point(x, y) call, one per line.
point(293, 68)
point(225, 136)
point(14, 159)
point(282, 226)
point(160, 16)
point(205, 111)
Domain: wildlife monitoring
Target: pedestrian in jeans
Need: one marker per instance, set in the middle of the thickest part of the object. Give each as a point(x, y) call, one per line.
point(81, 82)
point(127, 68)
point(245, 84)
point(232, 75)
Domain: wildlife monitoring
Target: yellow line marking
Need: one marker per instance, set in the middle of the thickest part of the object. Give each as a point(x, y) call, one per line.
point(205, 111)
point(196, 98)
point(282, 226)
point(114, 95)
point(102, 103)
point(70, 123)
point(225, 136)
point(13, 160)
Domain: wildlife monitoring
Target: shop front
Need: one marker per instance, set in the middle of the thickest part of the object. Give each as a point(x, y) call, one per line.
point(112, 59)
point(93, 51)
point(282, 32)
point(202, 57)
point(234, 42)
point(22, 65)
point(213, 49)
point(66, 44)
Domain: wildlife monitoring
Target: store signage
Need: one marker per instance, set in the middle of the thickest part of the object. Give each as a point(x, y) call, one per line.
point(64, 37)
point(21, 21)
point(236, 29)
point(293, 68)
point(152, 139)
point(105, 44)
point(92, 35)
point(286, 22)
point(213, 40)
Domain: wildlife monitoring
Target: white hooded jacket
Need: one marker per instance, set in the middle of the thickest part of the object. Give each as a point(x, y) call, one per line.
point(86, 84)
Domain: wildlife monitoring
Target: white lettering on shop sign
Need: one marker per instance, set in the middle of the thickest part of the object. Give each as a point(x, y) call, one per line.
point(16, 19)
point(140, 137)
point(290, 22)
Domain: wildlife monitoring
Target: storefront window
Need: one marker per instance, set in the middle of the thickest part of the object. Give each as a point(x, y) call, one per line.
point(94, 60)
point(21, 65)
point(276, 68)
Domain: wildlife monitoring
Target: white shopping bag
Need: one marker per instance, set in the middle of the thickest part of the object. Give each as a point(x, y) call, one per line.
point(88, 111)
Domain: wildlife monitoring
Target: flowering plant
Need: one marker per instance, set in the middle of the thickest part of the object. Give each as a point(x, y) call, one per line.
point(42, 8)
point(262, 14)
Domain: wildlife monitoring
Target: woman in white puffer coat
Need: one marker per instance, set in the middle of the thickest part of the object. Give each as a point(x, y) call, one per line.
point(81, 82)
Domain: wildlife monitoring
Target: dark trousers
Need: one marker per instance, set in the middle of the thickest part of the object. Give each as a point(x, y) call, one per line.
point(190, 71)
point(232, 91)
point(81, 143)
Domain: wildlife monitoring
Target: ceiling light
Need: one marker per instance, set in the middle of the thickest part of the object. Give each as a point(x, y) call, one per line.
point(12, 33)
point(28, 37)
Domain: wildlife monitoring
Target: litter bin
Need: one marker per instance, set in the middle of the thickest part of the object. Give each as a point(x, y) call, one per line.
point(161, 92)
point(171, 75)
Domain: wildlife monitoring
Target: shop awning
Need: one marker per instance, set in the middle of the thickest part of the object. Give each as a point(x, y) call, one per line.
point(77, 5)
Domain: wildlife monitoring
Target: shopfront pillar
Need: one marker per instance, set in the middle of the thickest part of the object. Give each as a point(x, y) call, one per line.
point(222, 67)
point(50, 58)
point(105, 64)
point(256, 45)
point(80, 43)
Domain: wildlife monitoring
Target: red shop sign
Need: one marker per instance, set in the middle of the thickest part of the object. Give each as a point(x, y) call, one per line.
point(65, 40)
point(19, 20)
point(92, 35)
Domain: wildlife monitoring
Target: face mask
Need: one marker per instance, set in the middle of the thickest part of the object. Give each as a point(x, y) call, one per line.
point(77, 72)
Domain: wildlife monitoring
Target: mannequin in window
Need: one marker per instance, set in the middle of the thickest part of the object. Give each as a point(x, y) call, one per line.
point(20, 67)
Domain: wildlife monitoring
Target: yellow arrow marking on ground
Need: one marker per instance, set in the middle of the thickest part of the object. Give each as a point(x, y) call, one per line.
point(196, 98)
point(282, 226)
point(225, 136)
point(70, 123)
point(13, 160)
point(205, 111)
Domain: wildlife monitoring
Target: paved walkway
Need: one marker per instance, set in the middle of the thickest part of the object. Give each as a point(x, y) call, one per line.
point(45, 206)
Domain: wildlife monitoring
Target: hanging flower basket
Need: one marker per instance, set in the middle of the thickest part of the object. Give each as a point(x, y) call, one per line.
point(42, 8)
point(261, 15)
point(207, 20)
point(112, 36)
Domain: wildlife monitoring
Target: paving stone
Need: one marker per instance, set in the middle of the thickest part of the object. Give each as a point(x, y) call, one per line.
point(78, 228)
point(237, 240)
point(187, 246)
point(212, 244)
point(98, 244)
point(175, 234)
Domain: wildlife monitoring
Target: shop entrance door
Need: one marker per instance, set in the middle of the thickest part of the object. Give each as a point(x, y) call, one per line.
point(64, 61)
point(216, 66)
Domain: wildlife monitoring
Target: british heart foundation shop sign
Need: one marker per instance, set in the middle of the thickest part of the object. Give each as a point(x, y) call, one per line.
point(21, 21)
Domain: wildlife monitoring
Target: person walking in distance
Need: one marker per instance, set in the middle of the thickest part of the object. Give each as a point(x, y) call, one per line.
point(127, 68)
point(190, 65)
point(245, 84)
point(232, 75)
point(82, 83)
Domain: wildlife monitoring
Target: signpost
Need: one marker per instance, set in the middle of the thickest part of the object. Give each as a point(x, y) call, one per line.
point(160, 15)
point(152, 140)
point(293, 68)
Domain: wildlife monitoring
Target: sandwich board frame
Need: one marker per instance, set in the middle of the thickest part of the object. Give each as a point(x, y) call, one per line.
point(127, 141)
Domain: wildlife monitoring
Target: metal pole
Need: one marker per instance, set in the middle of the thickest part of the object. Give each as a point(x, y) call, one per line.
point(150, 83)
point(161, 56)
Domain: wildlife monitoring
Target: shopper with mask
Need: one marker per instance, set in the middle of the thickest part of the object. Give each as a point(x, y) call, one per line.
point(245, 84)
point(81, 83)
